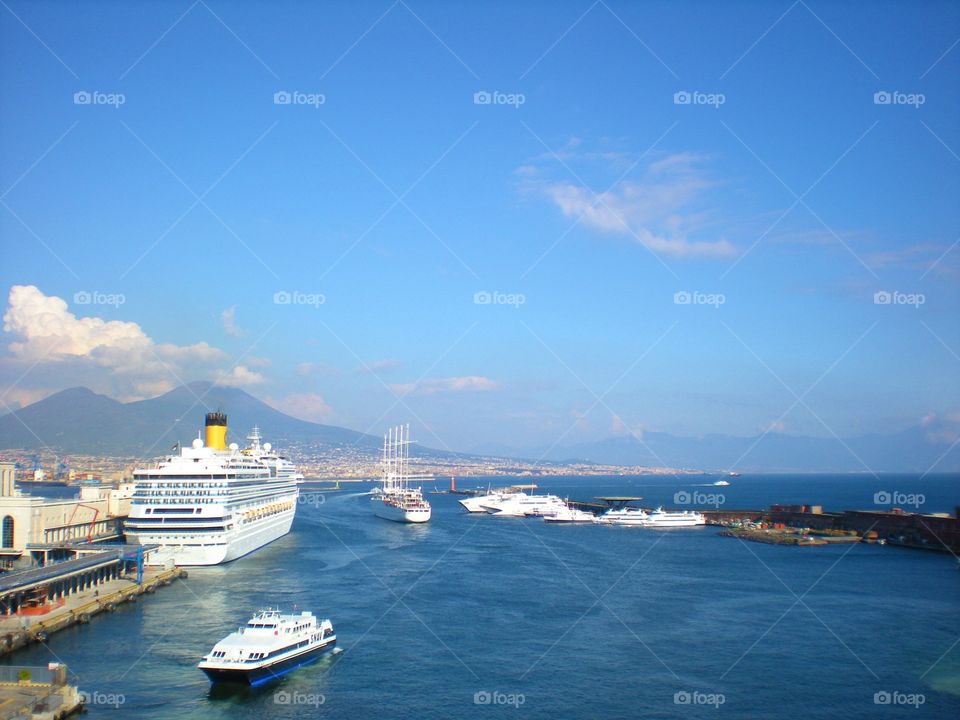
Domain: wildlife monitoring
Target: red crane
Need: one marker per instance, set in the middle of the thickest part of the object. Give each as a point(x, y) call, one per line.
point(96, 513)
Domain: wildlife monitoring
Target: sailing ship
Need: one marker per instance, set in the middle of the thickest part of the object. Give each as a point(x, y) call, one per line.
point(395, 499)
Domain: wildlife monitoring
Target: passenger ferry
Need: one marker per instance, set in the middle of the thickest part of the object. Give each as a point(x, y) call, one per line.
point(395, 499)
point(268, 647)
point(211, 503)
point(659, 518)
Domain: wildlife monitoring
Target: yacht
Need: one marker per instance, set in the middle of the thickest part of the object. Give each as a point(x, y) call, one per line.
point(524, 505)
point(395, 499)
point(721, 483)
point(212, 503)
point(269, 646)
point(568, 514)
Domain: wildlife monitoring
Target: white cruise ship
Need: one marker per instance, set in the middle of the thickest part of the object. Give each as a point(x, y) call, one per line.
point(211, 503)
point(395, 499)
point(268, 647)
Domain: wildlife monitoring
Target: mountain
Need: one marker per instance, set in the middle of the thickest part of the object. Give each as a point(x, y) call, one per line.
point(80, 421)
point(911, 450)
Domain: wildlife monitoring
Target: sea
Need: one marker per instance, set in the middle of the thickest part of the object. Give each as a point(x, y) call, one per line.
point(473, 616)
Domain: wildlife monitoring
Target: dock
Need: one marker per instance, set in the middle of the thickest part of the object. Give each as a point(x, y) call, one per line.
point(38, 602)
point(38, 693)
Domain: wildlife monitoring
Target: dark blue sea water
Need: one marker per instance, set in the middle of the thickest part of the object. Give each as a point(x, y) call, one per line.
point(480, 617)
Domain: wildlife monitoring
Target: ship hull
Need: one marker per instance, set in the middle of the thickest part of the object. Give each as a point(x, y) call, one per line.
point(388, 511)
point(257, 676)
point(220, 547)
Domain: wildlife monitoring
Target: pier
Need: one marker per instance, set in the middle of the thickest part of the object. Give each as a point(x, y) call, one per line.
point(38, 602)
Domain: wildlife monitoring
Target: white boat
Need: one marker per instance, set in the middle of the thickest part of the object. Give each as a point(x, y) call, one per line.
point(395, 499)
point(523, 505)
point(658, 518)
point(661, 518)
point(721, 483)
point(268, 647)
point(624, 516)
point(211, 503)
point(481, 503)
point(569, 514)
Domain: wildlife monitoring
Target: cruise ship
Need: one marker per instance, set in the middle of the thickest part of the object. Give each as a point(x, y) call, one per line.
point(211, 503)
point(395, 499)
point(268, 647)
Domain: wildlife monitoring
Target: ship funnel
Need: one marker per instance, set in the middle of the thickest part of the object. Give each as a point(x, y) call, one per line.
point(216, 431)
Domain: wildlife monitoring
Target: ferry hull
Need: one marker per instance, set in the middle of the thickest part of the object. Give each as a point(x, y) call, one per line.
point(390, 512)
point(264, 674)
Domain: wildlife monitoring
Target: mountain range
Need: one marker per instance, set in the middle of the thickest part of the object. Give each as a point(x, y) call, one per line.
point(81, 421)
point(917, 449)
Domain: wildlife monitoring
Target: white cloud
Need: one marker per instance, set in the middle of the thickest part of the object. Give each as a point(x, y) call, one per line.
point(113, 357)
point(228, 318)
point(240, 376)
point(434, 386)
point(305, 406)
point(657, 211)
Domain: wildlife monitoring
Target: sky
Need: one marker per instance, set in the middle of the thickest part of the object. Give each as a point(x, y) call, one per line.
point(508, 224)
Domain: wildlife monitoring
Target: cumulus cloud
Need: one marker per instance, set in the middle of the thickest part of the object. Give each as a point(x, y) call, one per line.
point(228, 318)
point(240, 376)
point(659, 210)
point(110, 356)
point(435, 386)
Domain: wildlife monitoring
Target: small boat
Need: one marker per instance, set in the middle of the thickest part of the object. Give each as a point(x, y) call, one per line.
point(268, 647)
point(721, 483)
point(569, 514)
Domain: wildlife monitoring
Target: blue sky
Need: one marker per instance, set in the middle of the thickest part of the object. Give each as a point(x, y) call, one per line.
point(781, 199)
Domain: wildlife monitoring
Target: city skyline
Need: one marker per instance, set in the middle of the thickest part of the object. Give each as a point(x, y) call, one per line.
point(504, 225)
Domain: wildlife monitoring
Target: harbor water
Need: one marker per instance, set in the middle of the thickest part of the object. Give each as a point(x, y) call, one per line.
point(479, 617)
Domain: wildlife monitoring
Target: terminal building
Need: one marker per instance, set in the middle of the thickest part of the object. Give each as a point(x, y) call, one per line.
point(31, 528)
